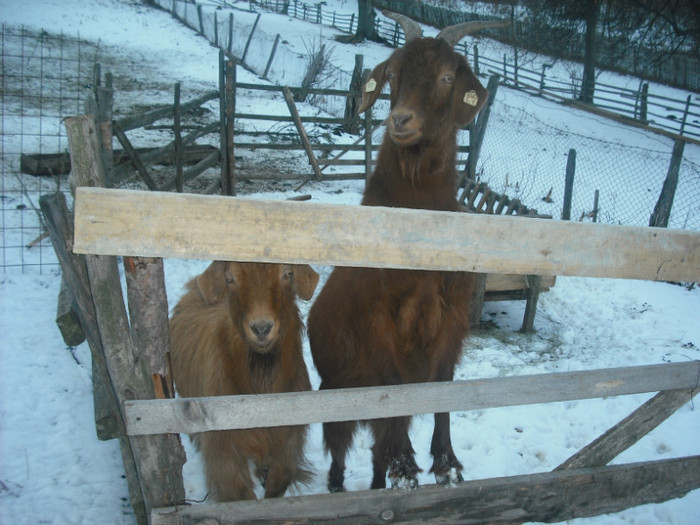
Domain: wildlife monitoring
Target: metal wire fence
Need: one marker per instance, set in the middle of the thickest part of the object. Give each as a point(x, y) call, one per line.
point(44, 78)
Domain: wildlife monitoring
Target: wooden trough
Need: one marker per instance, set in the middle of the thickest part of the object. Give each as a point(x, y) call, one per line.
point(148, 226)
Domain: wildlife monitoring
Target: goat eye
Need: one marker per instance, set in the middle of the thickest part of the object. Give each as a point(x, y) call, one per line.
point(448, 79)
point(288, 274)
point(230, 279)
point(390, 75)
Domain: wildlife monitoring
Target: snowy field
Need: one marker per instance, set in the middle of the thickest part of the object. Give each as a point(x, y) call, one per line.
point(54, 470)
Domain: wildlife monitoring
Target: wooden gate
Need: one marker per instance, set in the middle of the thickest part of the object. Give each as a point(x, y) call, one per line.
point(148, 226)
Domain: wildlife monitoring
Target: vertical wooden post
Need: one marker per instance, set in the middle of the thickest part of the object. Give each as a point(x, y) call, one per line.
point(662, 209)
point(223, 133)
point(158, 459)
point(532, 294)
point(216, 29)
point(199, 17)
point(272, 55)
point(230, 81)
point(352, 103)
point(177, 145)
point(108, 417)
point(644, 102)
point(478, 129)
point(368, 132)
point(685, 115)
point(230, 34)
point(569, 185)
point(596, 196)
point(476, 60)
point(250, 37)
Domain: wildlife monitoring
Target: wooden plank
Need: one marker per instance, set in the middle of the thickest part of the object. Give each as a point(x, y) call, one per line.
point(630, 430)
point(302, 132)
point(190, 415)
point(153, 224)
point(501, 282)
point(545, 497)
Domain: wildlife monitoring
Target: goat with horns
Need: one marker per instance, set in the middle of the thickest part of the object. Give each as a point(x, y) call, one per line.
point(371, 327)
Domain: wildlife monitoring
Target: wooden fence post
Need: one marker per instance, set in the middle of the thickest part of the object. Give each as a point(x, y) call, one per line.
point(478, 130)
point(229, 185)
point(230, 34)
point(272, 55)
point(662, 209)
point(569, 185)
point(352, 103)
point(177, 144)
point(250, 37)
point(158, 459)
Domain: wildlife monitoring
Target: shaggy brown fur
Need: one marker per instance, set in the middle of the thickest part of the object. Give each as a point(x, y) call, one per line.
point(238, 331)
point(382, 327)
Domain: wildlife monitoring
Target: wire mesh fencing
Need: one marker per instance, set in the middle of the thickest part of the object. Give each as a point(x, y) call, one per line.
point(44, 79)
point(526, 158)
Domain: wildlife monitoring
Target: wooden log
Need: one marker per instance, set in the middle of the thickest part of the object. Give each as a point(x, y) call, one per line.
point(177, 142)
point(630, 430)
point(67, 318)
point(135, 159)
point(532, 294)
point(272, 56)
point(546, 497)
point(158, 459)
point(228, 186)
point(188, 415)
point(154, 224)
point(194, 171)
point(139, 120)
point(108, 416)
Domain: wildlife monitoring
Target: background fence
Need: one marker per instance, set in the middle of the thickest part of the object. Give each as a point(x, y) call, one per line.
point(46, 77)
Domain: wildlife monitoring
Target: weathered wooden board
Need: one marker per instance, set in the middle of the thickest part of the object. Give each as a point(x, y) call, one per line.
point(503, 282)
point(546, 497)
point(190, 415)
point(152, 224)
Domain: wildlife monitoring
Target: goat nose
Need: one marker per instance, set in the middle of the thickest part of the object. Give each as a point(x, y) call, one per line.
point(261, 328)
point(400, 118)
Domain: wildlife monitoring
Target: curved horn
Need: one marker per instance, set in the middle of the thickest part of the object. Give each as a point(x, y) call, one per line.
point(455, 33)
point(411, 29)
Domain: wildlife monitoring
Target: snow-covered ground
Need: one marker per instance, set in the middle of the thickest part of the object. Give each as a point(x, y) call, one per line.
point(54, 470)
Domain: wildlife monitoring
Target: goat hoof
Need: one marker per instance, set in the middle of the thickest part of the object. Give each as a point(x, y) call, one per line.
point(404, 483)
point(333, 489)
point(451, 477)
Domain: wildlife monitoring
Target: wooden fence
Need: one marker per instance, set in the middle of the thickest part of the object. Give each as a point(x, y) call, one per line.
point(147, 226)
point(675, 116)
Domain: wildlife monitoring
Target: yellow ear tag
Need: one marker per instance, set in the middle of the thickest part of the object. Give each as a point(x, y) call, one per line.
point(371, 85)
point(471, 98)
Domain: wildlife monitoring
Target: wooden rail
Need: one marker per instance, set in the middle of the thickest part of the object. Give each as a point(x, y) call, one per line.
point(189, 415)
point(113, 222)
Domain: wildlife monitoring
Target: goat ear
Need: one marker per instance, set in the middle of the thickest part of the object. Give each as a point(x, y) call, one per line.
point(212, 283)
point(373, 87)
point(305, 281)
point(469, 97)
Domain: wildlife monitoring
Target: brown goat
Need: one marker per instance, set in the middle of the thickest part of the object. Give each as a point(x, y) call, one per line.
point(382, 327)
point(238, 331)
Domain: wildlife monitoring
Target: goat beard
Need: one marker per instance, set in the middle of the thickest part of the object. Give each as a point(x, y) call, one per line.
point(410, 159)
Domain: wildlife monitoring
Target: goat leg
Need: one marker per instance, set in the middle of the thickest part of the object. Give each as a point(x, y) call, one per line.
point(337, 437)
point(446, 467)
point(392, 450)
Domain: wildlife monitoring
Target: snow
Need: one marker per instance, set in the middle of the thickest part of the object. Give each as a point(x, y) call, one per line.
point(54, 470)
